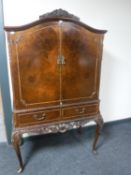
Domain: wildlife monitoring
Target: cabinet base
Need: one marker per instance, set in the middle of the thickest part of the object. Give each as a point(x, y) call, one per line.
point(54, 128)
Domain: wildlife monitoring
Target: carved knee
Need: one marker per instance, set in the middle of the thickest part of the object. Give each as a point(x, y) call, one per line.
point(16, 139)
point(99, 121)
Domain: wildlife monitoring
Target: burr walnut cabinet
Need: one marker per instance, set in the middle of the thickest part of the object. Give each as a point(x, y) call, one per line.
point(55, 67)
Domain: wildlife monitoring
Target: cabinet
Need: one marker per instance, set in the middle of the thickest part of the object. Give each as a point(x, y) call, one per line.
point(55, 73)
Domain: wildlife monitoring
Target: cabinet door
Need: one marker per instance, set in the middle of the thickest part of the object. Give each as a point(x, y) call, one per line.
point(34, 67)
point(80, 72)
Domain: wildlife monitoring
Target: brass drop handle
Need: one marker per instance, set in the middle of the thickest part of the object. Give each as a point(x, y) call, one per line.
point(39, 117)
point(81, 111)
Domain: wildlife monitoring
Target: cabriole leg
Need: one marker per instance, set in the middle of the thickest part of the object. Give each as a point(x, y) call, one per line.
point(99, 126)
point(16, 141)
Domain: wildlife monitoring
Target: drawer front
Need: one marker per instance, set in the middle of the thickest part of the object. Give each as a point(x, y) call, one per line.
point(35, 118)
point(80, 111)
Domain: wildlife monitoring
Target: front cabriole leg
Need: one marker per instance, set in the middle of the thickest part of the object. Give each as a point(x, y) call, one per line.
point(99, 126)
point(16, 141)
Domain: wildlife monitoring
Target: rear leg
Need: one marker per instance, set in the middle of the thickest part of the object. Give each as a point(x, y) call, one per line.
point(99, 126)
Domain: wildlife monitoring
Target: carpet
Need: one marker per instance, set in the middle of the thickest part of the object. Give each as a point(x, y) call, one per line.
point(70, 153)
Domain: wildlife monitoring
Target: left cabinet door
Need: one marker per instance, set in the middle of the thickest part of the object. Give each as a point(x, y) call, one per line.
point(35, 72)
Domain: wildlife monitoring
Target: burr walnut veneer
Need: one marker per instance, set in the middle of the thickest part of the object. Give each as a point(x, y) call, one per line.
point(55, 68)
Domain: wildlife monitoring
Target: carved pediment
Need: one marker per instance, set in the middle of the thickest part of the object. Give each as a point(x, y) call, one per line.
point(59, 13)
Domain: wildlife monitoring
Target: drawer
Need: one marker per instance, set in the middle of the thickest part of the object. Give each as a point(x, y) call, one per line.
point(34, 118)
point(80, 111)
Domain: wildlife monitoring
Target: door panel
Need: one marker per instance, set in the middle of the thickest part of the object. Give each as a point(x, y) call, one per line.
point(79, 73)
point(38, 72)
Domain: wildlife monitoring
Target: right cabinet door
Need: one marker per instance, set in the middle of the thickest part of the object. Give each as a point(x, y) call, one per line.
point(80, 73)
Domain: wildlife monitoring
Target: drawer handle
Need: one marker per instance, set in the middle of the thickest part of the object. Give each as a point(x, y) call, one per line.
point(81, 111)
point(39, 117)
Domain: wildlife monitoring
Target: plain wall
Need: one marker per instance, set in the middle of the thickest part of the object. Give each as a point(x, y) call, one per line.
point(113, 15)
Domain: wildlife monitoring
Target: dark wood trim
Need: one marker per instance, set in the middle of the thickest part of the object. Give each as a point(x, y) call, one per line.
point(52, 19)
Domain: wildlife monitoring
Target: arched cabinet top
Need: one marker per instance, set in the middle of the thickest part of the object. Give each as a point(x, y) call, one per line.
point(54, 16)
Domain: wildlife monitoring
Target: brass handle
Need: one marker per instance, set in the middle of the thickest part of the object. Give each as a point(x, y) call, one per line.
point(60, 59)
point(81, 111)
point(39, 117)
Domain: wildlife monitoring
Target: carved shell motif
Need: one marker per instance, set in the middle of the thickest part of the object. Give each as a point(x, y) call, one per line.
point(59, 13)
